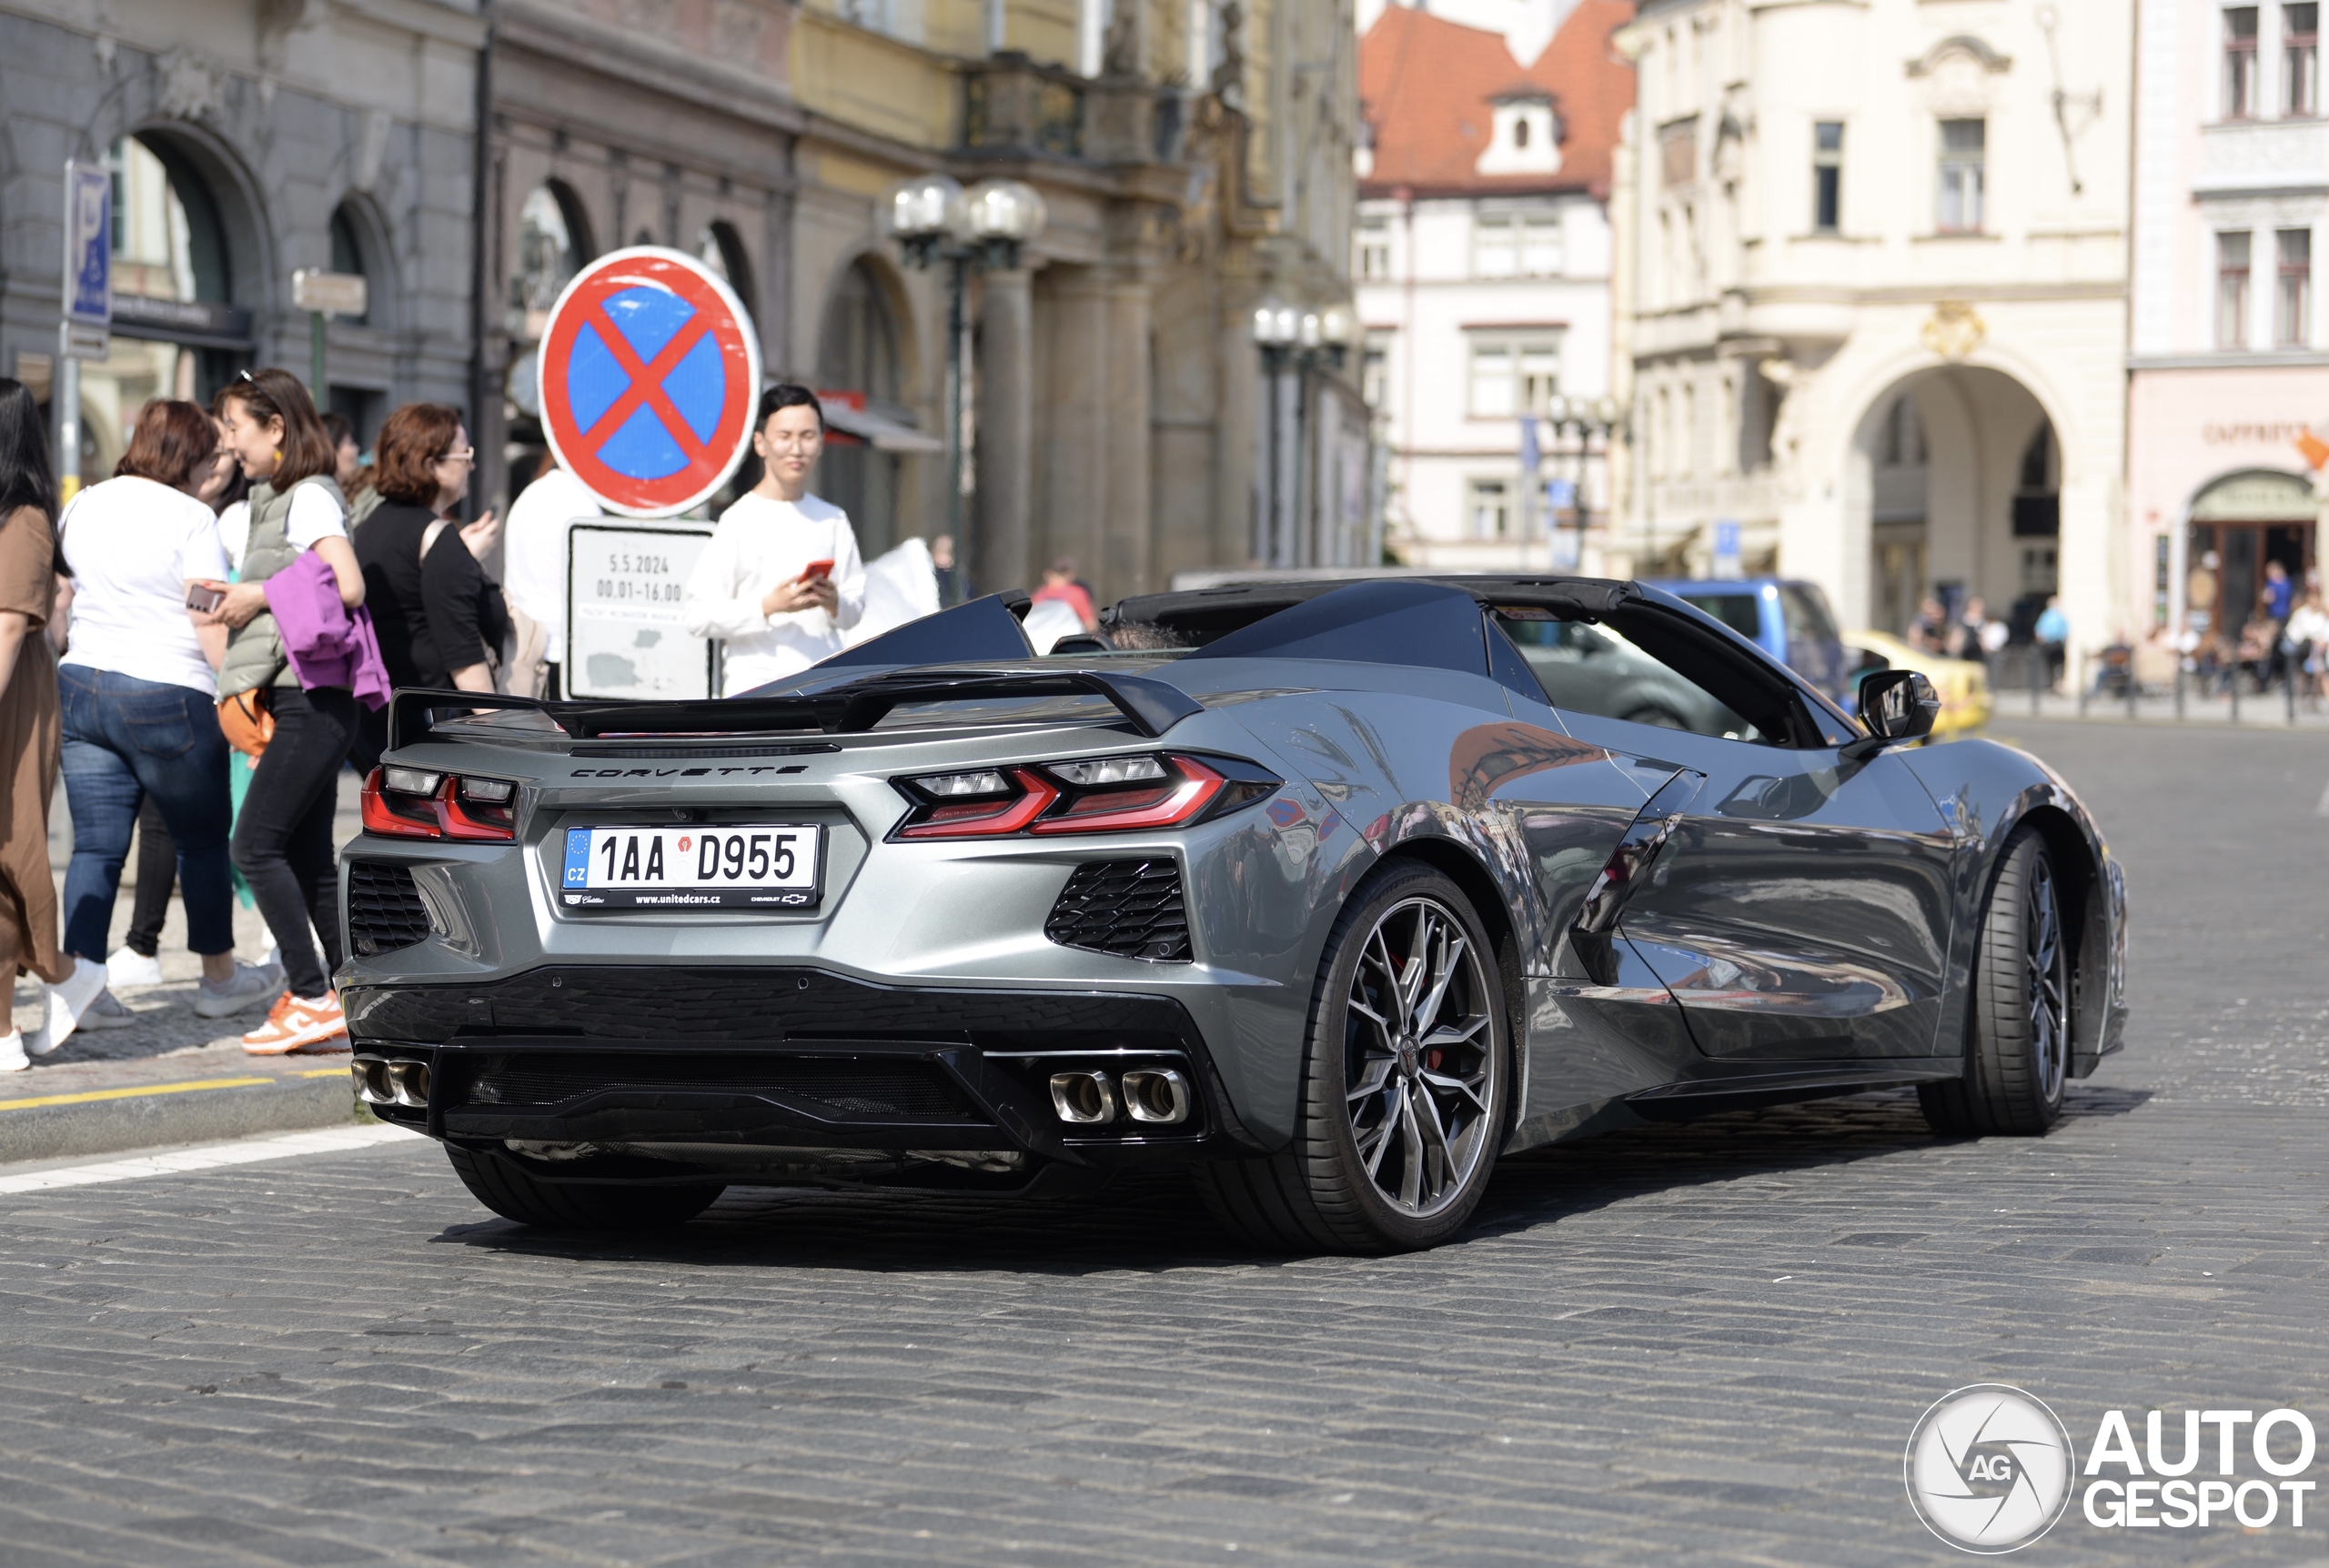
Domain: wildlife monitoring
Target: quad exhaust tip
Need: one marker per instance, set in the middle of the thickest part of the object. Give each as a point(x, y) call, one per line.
point(1158, 1096)
point(1084, 1098)
point(381, 1082)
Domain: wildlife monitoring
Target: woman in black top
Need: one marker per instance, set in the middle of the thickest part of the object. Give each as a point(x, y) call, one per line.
point(439, 618)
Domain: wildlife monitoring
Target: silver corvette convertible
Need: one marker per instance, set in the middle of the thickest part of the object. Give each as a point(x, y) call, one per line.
point(1330, 893)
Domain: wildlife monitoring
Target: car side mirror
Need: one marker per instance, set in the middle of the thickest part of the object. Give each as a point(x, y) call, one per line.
point(1895, 705)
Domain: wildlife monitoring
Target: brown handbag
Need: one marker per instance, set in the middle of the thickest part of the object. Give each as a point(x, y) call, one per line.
point(248, 721)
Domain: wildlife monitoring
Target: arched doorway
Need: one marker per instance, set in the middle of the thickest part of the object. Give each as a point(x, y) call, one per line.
point(858, 354)
point(177, 331)
point(1961, 477)
point(2242, 525)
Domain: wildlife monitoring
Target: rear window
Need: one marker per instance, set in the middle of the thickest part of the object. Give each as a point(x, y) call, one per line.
point(1742, 612)
point(1808, 620)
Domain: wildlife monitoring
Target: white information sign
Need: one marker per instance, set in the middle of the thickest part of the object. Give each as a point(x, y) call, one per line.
point(624, 637)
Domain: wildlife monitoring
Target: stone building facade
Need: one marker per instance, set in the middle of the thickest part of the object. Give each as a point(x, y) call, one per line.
point(246, 142)
point(1484, 260)
point(1878, 308)
point(1194, 158)
point(2228, 402)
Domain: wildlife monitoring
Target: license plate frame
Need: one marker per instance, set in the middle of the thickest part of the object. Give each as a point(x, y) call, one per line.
point(644, 844)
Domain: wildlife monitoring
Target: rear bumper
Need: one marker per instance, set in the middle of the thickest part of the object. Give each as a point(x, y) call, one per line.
point(593, 1071)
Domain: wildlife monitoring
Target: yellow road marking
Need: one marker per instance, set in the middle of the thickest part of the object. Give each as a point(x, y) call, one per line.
point(94, 1094)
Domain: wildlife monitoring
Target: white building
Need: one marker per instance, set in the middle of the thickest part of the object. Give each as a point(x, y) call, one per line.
point(2229, 395)
point(1879, 303)
point(1483, 262)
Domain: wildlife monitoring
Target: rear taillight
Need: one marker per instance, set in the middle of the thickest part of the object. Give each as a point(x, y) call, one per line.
point(414, 803)
point(1091, 794)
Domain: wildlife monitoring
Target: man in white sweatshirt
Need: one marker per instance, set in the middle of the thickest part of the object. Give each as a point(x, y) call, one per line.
point(781, 579)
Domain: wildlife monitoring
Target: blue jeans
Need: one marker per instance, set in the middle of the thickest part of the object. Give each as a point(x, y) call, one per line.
point(126, 739)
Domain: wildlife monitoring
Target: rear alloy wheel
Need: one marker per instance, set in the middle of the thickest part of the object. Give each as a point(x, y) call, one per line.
point(1406, 1083)
point(2019, 1054)
point(510, 1190)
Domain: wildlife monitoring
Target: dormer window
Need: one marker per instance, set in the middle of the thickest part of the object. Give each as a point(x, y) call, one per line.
point(1524, 136)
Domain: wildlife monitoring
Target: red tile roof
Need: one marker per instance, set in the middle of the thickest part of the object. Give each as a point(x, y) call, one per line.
point(1425, 86)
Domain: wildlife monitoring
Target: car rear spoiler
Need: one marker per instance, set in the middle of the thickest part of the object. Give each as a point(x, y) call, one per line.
point(1151, 706)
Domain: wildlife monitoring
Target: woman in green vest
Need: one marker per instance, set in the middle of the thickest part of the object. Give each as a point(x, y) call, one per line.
point(282, 841)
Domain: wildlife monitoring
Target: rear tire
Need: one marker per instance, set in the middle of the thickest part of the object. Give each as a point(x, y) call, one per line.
point(1406, 1077)
point(507, 1188)
point(2018, 1058)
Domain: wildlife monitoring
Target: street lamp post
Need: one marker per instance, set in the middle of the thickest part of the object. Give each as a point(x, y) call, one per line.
point(1603, 416)
point(1300, 341)
point(935, 222)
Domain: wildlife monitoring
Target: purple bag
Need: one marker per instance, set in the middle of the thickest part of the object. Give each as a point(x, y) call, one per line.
point(327, 644)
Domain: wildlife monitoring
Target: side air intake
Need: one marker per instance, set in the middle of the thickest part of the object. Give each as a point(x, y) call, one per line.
point(1132, 908)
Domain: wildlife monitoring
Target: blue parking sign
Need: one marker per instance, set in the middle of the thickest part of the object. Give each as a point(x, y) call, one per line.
point(88, 244)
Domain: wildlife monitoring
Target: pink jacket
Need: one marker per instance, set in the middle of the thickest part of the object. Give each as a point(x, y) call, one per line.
point(328, 643)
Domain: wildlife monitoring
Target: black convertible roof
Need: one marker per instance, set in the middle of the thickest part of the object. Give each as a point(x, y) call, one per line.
point(1198, 616)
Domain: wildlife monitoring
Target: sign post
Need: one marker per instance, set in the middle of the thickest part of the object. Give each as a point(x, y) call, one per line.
point(649, 373)
point(85, 329)
point(323, 294)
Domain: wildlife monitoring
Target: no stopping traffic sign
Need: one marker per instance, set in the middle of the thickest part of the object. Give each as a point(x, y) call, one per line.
point(649, 374)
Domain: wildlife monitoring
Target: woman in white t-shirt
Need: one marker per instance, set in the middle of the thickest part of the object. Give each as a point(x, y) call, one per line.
point(779, 580)
point(139, 685)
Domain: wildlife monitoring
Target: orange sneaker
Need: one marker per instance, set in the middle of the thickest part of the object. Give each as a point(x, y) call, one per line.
point(298, 1023)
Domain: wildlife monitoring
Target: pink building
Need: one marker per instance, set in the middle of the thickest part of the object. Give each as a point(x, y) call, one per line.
point(2228, 395)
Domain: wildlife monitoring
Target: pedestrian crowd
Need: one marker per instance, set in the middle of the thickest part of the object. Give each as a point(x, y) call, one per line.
point(201, 644)
point(197, 646)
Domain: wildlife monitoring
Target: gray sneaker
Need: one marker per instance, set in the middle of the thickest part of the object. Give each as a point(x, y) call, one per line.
point(252, 985)
point(107, 1013)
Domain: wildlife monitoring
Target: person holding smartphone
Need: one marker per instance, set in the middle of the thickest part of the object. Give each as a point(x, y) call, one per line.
point(140, 687)
point(781, 579)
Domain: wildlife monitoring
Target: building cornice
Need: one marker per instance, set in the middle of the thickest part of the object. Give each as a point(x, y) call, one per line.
point(2278, 360)
point(578, 42)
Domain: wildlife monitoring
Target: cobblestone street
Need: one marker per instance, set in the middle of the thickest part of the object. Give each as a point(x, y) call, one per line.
point(1697, 1344)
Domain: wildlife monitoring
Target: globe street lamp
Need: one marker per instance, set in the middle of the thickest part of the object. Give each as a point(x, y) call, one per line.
point(1291, 338)
point(936, 221)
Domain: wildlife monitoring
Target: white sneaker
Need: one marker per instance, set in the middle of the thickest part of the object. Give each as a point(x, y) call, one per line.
point(128, 967)
point(252, 985)
point(66, 1004)
point(12, 1051)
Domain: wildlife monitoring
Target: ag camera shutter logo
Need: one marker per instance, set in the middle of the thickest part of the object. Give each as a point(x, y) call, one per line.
point(1989, 1469)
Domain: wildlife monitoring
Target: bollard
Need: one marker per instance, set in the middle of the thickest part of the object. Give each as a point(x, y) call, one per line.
point(2179, 690)
point(2037, 667)
point(2233, 686)
point(2288, 687)
point(2134, 690)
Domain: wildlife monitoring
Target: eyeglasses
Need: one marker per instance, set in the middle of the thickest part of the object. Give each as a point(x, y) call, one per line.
point(463, 455)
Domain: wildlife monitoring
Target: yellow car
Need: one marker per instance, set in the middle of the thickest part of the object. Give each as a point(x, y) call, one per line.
point(1964, 686)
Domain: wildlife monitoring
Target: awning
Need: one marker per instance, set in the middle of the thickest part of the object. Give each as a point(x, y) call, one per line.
point(884, 434)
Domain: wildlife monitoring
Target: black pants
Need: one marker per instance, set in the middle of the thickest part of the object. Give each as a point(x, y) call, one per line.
point(157, 869)
point(282, 839)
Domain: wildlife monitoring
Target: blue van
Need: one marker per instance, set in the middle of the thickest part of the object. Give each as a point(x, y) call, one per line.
point(1788, 621)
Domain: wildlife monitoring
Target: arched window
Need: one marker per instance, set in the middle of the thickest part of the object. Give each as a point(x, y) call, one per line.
point(169, 248)
point(553, 244)
point(350, 254)
point(857, 352)
point(721, 248)
point(858, 349)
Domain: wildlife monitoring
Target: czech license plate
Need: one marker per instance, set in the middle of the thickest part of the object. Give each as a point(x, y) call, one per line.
point(693, 868)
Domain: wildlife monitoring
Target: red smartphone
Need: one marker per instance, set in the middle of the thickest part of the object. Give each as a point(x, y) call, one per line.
point(814, 570)
point(206, 599)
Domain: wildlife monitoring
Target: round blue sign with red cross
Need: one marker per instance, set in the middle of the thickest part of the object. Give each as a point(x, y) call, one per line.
point(649, 374)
